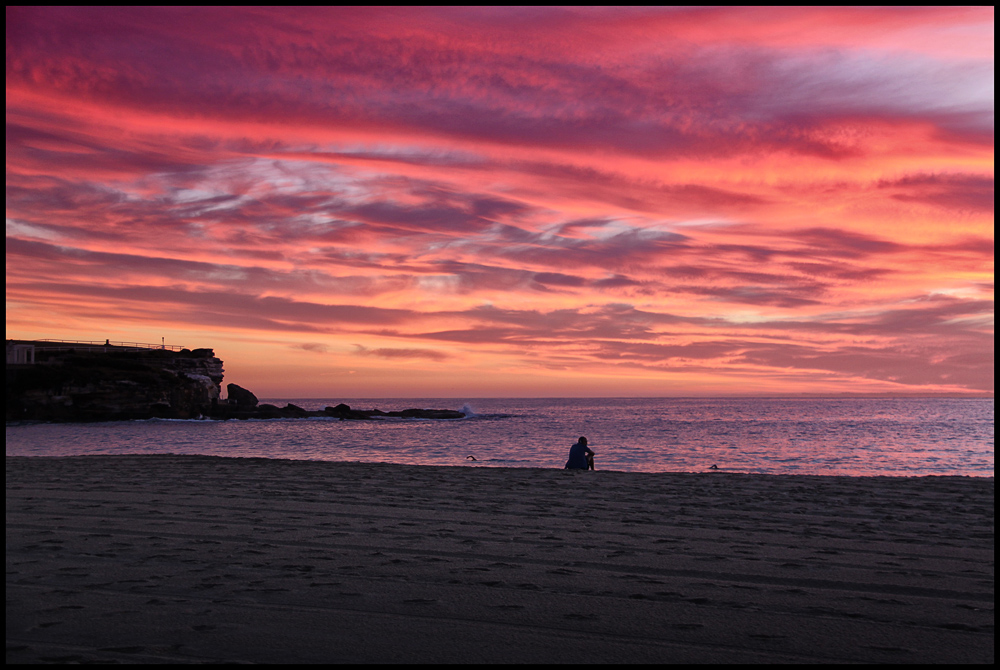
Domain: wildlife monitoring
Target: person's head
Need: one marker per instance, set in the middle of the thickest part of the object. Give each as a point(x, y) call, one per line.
point(583, 441)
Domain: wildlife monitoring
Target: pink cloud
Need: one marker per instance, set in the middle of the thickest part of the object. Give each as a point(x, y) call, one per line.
point(972, 192)
point(395, 353)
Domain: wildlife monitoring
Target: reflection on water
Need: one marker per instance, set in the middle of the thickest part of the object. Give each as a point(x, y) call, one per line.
point(912, 436)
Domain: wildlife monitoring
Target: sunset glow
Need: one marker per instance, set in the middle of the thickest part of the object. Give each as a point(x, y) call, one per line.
point(512, 201)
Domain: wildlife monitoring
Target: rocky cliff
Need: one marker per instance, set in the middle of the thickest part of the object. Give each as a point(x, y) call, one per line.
point(109, 383)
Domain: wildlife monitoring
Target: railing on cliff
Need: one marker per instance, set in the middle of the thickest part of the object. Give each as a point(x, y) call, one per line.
point(97, 344)
point(22, 352)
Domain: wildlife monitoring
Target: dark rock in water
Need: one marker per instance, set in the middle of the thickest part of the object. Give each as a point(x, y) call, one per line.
point(267, 411)
point(343, 411)
point(243, 398)
point(289, 411)
point(340, 410)
point(295, 411)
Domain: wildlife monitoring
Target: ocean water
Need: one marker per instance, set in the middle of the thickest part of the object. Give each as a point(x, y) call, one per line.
point(821, 436)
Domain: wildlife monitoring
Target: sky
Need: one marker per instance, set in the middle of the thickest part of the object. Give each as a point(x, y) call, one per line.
point(484, 202)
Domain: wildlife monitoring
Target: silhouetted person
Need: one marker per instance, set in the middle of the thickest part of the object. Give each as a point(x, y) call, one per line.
point(580, 456)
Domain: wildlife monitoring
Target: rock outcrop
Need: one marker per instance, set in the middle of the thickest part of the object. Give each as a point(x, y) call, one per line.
point(243, 398)
point(343, 411)
point(111, 383)
point(233, 410)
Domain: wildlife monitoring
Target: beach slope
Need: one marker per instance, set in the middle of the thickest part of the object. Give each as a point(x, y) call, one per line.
point(195, 559)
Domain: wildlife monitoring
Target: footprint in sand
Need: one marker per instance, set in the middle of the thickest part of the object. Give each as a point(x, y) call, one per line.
point(893, 650)
point(123, 650)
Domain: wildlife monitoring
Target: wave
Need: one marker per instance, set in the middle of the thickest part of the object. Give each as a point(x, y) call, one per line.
point(471, 413)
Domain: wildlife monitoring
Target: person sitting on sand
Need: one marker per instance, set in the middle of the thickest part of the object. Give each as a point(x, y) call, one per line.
point(580, 456)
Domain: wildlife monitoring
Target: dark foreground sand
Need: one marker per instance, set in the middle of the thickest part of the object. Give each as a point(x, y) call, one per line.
point(177, 559)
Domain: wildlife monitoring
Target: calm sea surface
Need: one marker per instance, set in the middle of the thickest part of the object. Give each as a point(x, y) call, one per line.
point(912, 436)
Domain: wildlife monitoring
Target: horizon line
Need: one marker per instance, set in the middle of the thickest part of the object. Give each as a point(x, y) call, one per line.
point(971, 396)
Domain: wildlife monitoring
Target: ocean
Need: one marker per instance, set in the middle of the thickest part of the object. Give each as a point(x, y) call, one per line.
point(819, 436)
point(816, 436)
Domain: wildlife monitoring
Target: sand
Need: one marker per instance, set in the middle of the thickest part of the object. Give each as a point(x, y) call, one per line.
point(202, 559)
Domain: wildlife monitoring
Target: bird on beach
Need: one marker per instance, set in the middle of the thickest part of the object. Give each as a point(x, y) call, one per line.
point(470, 458)
point(713, 467)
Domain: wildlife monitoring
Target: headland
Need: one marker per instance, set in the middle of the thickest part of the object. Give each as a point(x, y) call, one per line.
point(61, 380)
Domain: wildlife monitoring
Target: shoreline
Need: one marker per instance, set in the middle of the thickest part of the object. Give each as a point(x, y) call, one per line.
point(157, 558)
point(483, 465)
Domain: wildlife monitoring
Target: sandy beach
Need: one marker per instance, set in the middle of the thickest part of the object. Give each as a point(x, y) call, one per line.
point(204, 559)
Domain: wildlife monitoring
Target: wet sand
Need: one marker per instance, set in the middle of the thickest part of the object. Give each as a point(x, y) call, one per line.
point(195, 559)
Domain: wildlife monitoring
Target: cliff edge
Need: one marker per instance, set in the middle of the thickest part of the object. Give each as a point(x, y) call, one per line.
point(49, 381)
